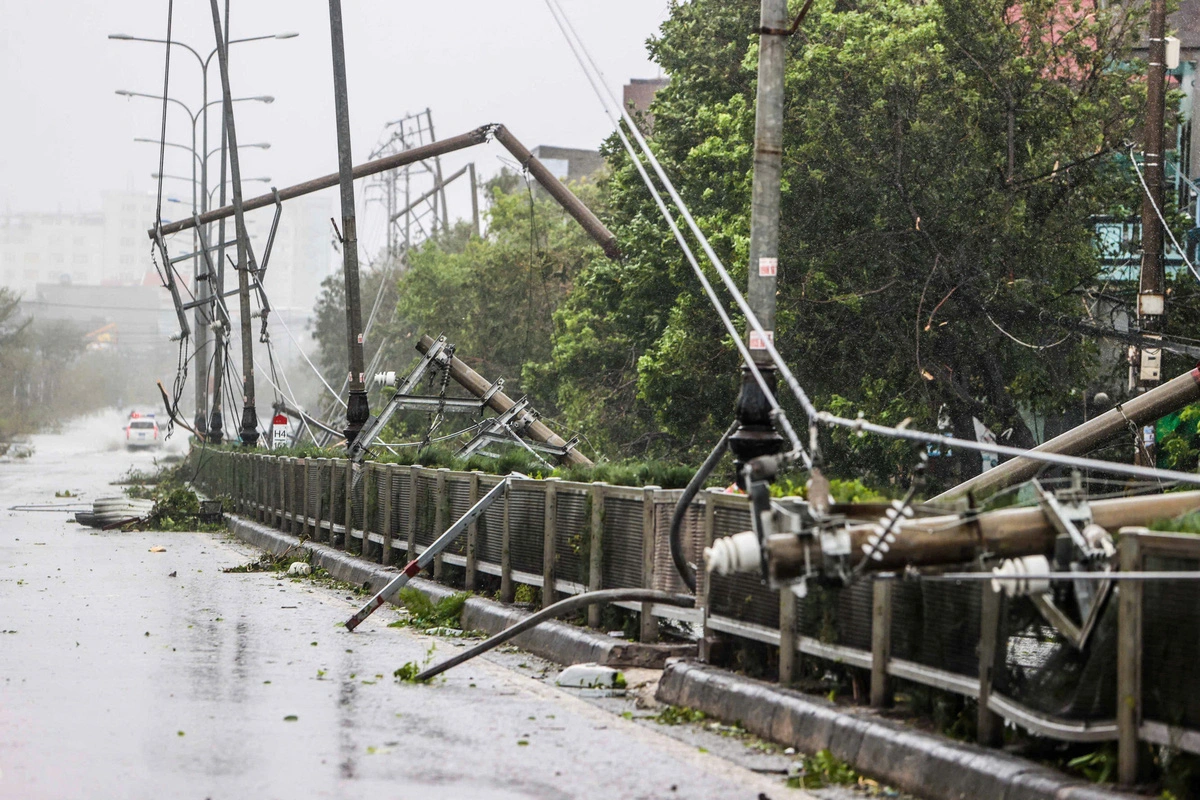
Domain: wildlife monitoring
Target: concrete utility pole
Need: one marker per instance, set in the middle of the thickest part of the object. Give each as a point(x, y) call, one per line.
point(245, 262)
point(357, 409)
point(1145, 369)
point(757, 435)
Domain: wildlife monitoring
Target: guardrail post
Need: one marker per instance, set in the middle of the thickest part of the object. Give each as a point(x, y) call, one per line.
point(305, 528)
point(389, 474)
point(989, 725)
point(507, 590)
point(318, 533)
point(649, 626)
point(253, 489)
point(413, 482)
point(347, 538)
point(440, 500)
point(1129, 661)
point(787, 637)
point(294, 499)
point(370, 484)
point(702, 578)
point(264, 489)
point(549, 541)
point(596, 553)
point(472, 534)
point(881, 643)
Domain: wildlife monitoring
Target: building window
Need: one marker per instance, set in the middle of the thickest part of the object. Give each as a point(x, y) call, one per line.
point(57, 258)
point(126, 259)
point(80, 258)
point(31, 258)
point(126, 242)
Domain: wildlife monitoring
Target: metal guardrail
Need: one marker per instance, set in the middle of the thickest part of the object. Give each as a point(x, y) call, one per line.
point(579, 537)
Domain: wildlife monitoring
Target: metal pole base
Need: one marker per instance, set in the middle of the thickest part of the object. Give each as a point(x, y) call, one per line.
point(756, 435)
point(358, 410)
point(249, 432)
point(215, 424)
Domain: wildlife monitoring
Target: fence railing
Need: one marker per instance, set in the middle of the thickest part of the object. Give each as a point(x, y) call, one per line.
point(1135, 683)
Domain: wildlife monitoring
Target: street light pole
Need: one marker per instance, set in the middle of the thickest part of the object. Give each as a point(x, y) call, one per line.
point(756, 435)
point(357, 409)
point(245, 262)
point(205, 284)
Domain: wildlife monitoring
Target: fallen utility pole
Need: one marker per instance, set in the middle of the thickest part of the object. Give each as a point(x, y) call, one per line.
point(245, 262)
point(560, 192)
point(570, 203)
point(1137, 412)
point(439, 148)
point(426, 557)
point(499, 402)
point(358, 410)
point(960, 539)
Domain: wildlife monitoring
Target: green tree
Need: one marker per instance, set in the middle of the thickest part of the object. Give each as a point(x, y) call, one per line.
point(942, 161)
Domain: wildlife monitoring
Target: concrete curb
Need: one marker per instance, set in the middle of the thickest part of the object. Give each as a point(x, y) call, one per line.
point(924, 764)
point(554, 641)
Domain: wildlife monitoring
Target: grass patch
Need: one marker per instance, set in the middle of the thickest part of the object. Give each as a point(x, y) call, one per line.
point(820, 770)
point(679, 715)
point(424, 613)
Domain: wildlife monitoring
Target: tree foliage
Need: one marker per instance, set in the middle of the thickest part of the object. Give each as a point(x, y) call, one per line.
point(942, 162)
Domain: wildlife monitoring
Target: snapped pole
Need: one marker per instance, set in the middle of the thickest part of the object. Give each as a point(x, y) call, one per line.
point(426, 557)
point(245, 263)
point(572, 204)
point(357, 409)
point(1137, 412)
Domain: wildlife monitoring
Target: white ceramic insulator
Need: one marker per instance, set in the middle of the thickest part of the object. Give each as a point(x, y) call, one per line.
point(1008, 576)
point(385, 378)
point(730, 555)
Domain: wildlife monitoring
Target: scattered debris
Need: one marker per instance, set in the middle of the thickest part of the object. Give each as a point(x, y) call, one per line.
point(299, 568)
point(158, 549)
point(591, 676)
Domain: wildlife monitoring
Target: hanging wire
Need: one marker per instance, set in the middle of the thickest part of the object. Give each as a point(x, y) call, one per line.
point(1159, 214)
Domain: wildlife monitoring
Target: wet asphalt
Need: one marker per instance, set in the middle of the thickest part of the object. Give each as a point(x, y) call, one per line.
point(126, 673)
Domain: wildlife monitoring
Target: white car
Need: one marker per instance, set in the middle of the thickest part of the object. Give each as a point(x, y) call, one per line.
point(142, 432)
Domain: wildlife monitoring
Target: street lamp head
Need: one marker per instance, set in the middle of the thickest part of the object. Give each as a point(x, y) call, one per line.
point(266, 98)
point(124, 92)
point(287, 35)
point(123, 36)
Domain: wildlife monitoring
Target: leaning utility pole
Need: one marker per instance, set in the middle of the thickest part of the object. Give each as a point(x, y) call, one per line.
point(757, 435)
point(1152, 283)
point(216, 422)
point(245, 262)
point(357, 409)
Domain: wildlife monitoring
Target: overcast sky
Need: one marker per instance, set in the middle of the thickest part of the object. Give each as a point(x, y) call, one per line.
point(67, 137)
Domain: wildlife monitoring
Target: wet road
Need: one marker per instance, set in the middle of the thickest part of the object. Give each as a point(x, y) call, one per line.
point(131, 674)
